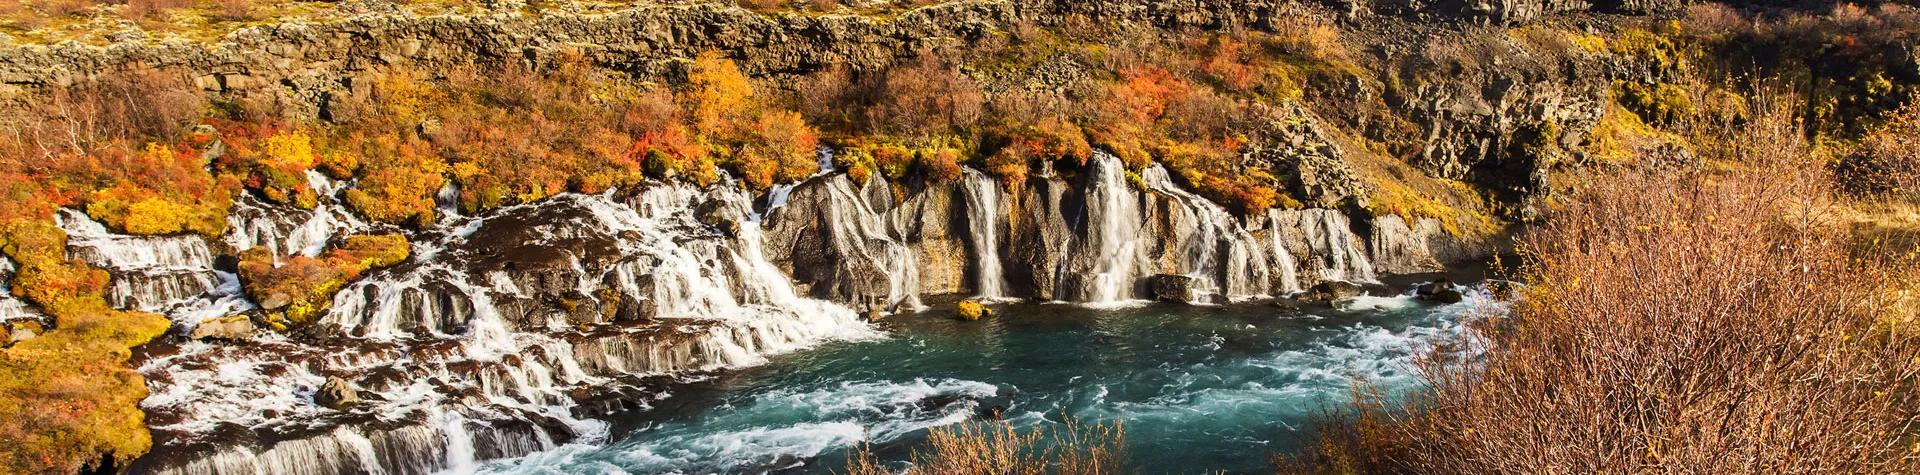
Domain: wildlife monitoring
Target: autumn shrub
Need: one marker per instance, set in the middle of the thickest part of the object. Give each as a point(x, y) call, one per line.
point(925, 98)
point(938, 164)
point(1690, 321)
point(998, 447)
point(892, 160)
point(397, 181)
point(300, 288)
point(1887, 162)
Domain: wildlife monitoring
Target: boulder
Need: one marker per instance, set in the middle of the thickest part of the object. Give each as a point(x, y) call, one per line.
point(1332, 290)
point(1172, 288)
point(1443, 291)
point(231, 328)
point(336, 394)
point(22, 330)
point(971, 310)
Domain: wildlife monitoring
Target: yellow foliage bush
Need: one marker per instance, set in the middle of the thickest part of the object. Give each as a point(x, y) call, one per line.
point(68, 393)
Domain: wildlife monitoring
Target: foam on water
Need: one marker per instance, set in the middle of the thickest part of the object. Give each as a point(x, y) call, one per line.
point(451, 377)
point(775, 429)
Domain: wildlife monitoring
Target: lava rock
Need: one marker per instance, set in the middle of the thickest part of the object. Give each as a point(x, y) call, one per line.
point(1332, 290)
point(231, 328)
point(1443, 291)
point(336, 394)
point(20, 331)
point(1172, 288)
point(972, 311)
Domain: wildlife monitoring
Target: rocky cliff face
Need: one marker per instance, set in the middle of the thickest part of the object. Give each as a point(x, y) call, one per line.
point(1096, 236)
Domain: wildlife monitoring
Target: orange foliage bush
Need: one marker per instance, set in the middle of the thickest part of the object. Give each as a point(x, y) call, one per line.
point(302, 287)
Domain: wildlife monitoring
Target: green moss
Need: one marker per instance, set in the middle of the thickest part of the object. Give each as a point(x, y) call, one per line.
point(1661, 103)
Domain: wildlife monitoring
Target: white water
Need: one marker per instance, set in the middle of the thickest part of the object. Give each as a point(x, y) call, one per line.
point(861, 237)
point(1211, 244)
point(150, 273)
point(287, 232)
point(11, 308)
point(983, 225)
point(1113, 232)
point(453, 377)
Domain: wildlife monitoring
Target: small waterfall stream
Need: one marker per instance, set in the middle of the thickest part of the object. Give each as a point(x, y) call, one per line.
point(983, 225)
point(12, 308)
point(287, 232)
point(150, 273)
point(1213, 247)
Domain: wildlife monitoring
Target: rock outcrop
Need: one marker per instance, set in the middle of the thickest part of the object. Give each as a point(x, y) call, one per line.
point(336, 394)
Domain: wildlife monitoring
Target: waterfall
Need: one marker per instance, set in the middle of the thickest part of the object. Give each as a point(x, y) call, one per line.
point(12, 308)
point(1286, 275)
point(1113, 226)
point(983, 223)
point(150, 273)
point(483, 349)
point(1209, 243)
point(286, 231)
point(447, 201)
point(1333, 250)
point(859, 236)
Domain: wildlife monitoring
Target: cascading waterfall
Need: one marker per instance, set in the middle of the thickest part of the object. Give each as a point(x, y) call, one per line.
point(482, 347)
point(1214, 249)
point(11, 308)
point(1286, 273)
point(287, 232)
point(983, 224)
point(1339, 253)
point(862, 234)
point(1113, 232)
point(150, 273)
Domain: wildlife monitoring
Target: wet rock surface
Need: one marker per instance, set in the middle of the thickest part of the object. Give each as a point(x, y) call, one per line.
point(336, 394)
point(1332, 291)
point(1172, 288)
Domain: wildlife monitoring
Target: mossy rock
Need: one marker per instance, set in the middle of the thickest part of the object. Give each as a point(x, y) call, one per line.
point(972, 311)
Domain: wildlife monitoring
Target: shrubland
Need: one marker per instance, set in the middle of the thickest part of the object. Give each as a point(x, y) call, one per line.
point(1000, 447)
point(1744, 307)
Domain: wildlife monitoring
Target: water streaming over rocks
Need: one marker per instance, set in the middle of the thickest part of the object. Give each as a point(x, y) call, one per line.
point(516, 331)
point(150, 273)
point(504, 336)
point(984, 227)
point(12, 308)
point(1201, 389)
point(286, 231)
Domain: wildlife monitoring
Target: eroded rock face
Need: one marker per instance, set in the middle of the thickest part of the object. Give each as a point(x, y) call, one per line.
point(1172, 288)
point(850, 243)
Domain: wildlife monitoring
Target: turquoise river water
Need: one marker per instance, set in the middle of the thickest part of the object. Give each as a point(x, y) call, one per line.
point(1201, 389)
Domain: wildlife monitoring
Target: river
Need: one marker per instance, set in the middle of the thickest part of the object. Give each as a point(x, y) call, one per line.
point(1199, 388)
